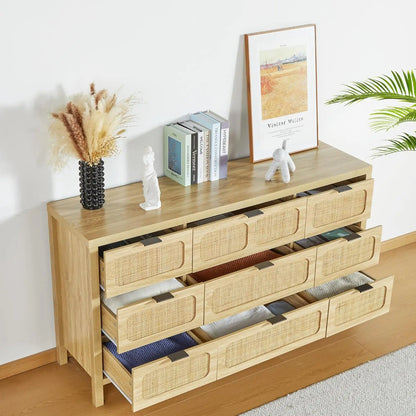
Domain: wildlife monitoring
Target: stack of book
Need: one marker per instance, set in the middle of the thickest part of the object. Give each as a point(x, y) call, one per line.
point(196, 150)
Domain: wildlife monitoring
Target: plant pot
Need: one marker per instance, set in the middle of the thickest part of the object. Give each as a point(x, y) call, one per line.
point(91, 184)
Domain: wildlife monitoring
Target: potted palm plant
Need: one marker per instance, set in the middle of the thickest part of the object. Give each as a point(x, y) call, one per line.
point(400, 87)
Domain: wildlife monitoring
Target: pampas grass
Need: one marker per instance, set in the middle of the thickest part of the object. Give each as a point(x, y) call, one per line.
point(89, 126)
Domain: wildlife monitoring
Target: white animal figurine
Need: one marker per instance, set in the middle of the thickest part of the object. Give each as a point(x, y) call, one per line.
point(283, 162)
point(151, 189)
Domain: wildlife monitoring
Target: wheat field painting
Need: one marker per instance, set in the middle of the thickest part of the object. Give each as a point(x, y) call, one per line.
point(284, 89)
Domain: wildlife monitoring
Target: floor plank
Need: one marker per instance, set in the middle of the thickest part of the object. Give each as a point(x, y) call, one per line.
point(65, 390)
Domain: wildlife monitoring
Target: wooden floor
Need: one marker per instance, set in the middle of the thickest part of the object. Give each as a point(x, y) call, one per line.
point(55, 390)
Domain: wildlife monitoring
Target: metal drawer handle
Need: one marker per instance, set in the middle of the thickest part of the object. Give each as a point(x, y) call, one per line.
point(277, 318)
point(150, 241)
point(178, 355)
point(263, 265)
point(342, 188)
point(253, 213)
point(364, 287)
point(162, 297)
point(351, 237)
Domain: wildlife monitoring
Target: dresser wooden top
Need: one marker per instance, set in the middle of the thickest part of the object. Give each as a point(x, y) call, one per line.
point(121, 217)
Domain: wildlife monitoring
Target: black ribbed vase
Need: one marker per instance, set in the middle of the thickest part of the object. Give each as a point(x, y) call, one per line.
point(91, 184)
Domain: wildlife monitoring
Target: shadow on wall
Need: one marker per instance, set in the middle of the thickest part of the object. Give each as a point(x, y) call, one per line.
point(25, 186)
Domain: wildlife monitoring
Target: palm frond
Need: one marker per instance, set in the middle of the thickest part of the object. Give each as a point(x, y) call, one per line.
point(403, 143)
point(387, 118)
point(401, 87)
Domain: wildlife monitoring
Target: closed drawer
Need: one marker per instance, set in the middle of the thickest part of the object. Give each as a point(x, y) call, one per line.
point(153, 319)
point(271, 338)
point(248, 233)
point(146, 262)
point(230, 294)
point(359, 305)
point(339, 206)
point(343, 256)
point(163, 378)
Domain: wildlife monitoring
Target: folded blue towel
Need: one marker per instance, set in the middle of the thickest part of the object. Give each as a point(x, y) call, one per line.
point(153, 351)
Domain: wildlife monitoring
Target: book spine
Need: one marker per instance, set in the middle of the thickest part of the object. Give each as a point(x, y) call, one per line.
point(200, 156)
point(225, 137)
point(207, 155)
point(215, 152)
point(188, 148)
point(194, 158)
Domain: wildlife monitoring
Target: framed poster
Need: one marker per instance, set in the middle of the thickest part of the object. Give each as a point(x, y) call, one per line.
point(282, 101)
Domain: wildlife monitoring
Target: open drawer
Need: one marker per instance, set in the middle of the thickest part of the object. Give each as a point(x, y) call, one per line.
point(159, 379)
point(353, 299)
point(342, 205)
point(251, 232)
point(165, 309)
point(145, 262)
point(263, 340)
point(255, 280)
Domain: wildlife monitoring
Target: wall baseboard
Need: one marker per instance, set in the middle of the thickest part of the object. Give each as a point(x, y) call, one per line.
point(27, 363)
point(400, 241)
point(49, 356)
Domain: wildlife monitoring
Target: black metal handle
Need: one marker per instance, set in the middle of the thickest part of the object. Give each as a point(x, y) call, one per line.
point(151, 240)
point(364, 287)
point(351, 237)
point(178, 355)
point(263, 265)
point(253, 213)
point(162, 297)
point(342, 188)
point(277, 318)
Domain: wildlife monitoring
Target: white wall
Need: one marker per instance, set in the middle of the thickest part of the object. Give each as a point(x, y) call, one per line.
point(182, 56)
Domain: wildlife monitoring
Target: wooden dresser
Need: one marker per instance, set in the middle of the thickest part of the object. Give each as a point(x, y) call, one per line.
point(121, 248)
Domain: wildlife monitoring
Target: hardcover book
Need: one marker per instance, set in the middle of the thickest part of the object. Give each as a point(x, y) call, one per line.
point(224, 140)
point(215, 129)
point(177, 154)
point(197, 149)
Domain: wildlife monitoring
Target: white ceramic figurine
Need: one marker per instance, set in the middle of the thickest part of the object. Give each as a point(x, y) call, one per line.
point(283, 162)
point(151, 189)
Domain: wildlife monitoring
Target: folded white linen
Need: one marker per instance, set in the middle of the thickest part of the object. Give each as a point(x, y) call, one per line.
point(234, 323)
point(144, 293)
point(340, 285)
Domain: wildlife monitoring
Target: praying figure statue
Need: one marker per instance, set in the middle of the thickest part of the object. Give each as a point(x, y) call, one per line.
point(151, 189)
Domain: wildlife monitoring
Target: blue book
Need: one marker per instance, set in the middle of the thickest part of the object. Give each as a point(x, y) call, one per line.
point(215, 129)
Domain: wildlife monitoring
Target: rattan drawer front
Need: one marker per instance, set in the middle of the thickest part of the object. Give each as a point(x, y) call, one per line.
point(354, 307)
point(159, 380)
point(245, 234)
point(264, 341)
point(332, 209)
point(257, 285)
point(137, 265)
point(148, 321)
point(341, 257)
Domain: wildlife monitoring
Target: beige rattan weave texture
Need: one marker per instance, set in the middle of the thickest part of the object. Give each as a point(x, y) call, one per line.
point(340, 258)
point(346, 205)
point(146, 263)
point(153, 320)
point(357, 307)
point(277, 225)
point(224, 241)
point(259, 284)
point(277, 336)
point(179, 373)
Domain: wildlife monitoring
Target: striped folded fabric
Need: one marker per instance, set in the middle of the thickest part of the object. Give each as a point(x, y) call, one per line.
point(153, 351)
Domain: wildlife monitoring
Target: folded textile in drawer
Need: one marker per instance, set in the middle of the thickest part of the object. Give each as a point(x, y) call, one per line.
point(153, 351)
point(340, 285)
point(234, 323)
point(144, 293)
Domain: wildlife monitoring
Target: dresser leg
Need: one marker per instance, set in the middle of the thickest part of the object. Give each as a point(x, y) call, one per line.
point(97, 388)
point(61, 355)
